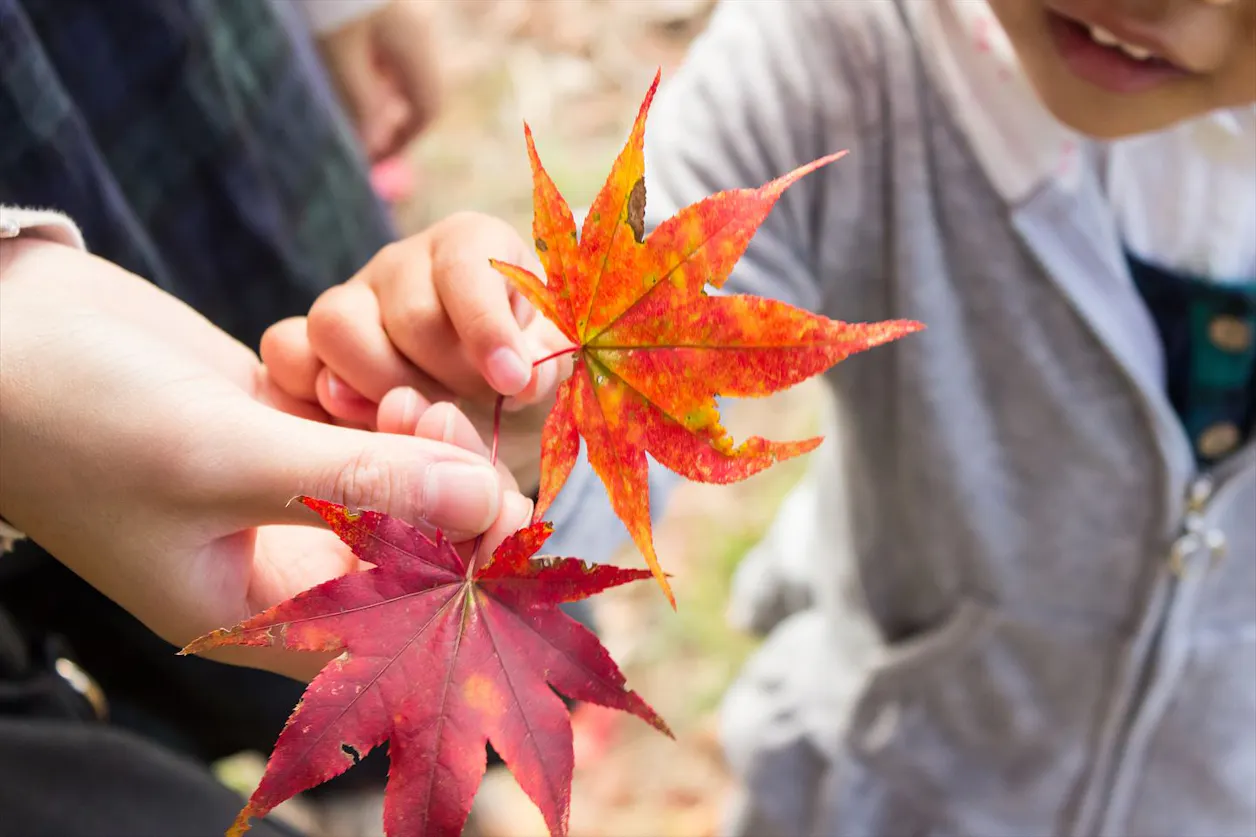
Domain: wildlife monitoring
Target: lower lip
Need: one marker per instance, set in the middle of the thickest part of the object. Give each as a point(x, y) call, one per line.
point(1107, 67)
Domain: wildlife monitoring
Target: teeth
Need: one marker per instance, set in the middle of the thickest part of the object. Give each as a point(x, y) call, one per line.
point(1102, 36)
point(1136, 52)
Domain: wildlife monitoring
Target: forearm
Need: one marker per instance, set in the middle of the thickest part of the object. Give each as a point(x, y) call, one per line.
point(63, 315)
point(45, 285)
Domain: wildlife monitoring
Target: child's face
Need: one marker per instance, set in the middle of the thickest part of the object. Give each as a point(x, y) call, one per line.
point(1202, 57)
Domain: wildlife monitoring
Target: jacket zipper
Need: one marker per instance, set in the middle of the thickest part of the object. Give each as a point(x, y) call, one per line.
point(1194, 538)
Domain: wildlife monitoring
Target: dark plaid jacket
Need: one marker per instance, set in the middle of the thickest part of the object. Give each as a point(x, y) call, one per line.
point(195, 142)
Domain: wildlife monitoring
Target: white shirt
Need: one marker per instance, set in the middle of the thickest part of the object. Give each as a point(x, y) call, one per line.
point(1183, 198)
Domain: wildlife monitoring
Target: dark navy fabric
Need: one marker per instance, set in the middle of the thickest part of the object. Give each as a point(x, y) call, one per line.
point(195, 142)
point(1207, 384)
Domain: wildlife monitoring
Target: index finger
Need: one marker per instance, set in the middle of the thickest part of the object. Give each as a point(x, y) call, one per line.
point(477, 300)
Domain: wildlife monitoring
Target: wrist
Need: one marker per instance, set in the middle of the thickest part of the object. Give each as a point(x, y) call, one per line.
point(19, 256)
point(18, 261)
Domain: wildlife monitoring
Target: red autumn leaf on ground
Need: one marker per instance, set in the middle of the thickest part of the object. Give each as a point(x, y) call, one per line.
point(437, 663)
point(653, 349)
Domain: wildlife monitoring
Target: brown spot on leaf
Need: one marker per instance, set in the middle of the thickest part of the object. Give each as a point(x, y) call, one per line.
point(636, 210)
point(541, 245)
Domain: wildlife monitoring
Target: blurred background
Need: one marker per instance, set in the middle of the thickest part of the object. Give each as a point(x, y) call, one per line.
point(576, 70)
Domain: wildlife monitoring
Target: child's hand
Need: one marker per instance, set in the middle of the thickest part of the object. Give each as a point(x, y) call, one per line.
point(430, 315)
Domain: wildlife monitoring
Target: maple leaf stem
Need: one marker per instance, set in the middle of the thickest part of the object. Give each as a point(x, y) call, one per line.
point(567, 351)
point(492, 458)
point(475, 556)
point(497, 428)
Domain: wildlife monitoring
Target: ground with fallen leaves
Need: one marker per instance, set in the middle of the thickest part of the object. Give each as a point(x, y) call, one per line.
point(577, 70)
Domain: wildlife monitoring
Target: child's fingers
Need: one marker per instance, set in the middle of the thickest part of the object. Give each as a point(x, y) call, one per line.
point(347, 335)
point(418, 326)
point(544, 338)
point(400, 410)
point(407, 412)
point(477, 301)
point(444, 422)
point(293, 366)
point(268, 392)
point(344, 402)
point(414, 321)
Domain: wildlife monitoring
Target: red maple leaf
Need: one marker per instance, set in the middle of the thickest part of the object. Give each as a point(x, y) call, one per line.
point(437, 660)
point(653, 349)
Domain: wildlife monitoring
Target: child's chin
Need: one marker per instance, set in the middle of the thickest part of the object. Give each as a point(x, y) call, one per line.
point(1106, 116)
point(1105, 126)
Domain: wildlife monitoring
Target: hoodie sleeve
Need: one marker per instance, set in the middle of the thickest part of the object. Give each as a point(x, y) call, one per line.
point(43, 223)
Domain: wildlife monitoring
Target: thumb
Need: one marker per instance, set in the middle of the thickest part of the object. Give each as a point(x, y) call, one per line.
point(275, 457)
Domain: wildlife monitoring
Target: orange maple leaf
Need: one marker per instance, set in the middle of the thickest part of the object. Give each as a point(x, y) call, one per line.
point(652, 349)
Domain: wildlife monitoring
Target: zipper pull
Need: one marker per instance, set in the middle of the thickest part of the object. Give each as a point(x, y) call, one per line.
point(1198, 495)
point(1195, 536)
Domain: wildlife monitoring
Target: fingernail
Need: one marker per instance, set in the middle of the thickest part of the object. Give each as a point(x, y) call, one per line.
point(342, 392)
point(459, 497)
point(546, 379)
point(507, 371)
point(410, 411)
point(335, 387)
point(518, 509)
point(447, 432)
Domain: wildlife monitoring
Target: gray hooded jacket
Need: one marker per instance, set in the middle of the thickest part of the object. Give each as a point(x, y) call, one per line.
point(1027, 613)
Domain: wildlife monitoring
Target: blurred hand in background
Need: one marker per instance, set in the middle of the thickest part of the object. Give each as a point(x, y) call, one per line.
point(384, 66)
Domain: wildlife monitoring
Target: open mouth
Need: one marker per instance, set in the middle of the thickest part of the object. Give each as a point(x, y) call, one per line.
point(1100, 57)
